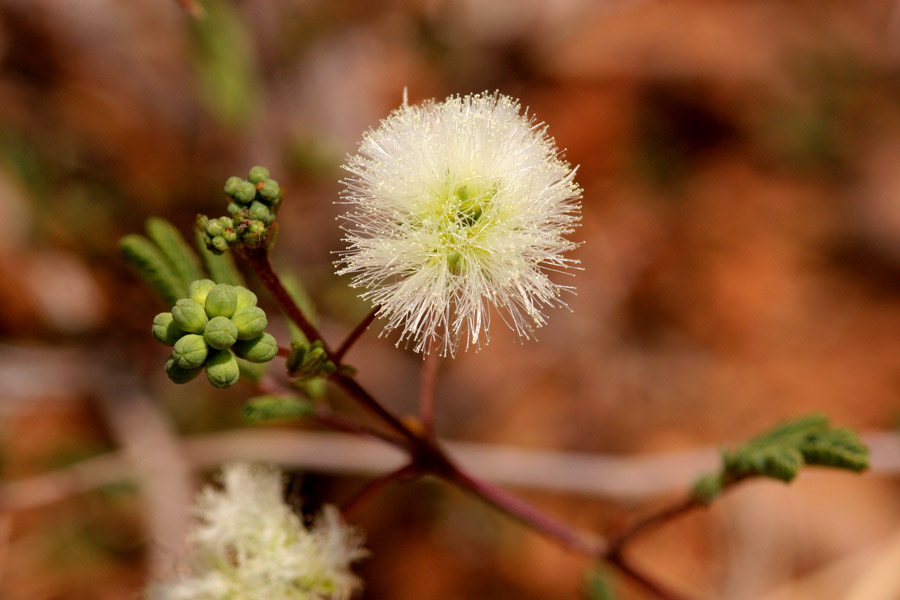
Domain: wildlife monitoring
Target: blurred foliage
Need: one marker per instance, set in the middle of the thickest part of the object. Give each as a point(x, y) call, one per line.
point(225, 60)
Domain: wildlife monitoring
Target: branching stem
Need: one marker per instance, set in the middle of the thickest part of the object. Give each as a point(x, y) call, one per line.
point(354, 335)
point(427, 456)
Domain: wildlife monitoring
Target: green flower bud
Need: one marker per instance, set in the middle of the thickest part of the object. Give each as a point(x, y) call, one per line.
point(258, 350)
point(190, 351)
point(220, 333)
point(179, 375)
point(198, 290)
point(189, 315)
point(258, 174)
point(245, 192)
point(230, 236)
point(222, 369)
point(221, 301)
point(270, 191)
point(250, 322)
point(214, 227)
point(256, 228)
point(219, 243)
point(206, 239)
point(231, 185)
point(244, 297)
point(201, 222)
point(259, 211)
point(234, 208)
point(165, 330)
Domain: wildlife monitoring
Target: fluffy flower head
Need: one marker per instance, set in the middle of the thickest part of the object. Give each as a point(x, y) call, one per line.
point(249, 544)
point(457, 206)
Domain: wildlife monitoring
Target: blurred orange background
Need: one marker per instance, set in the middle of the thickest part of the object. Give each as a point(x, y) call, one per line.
point(741, 172)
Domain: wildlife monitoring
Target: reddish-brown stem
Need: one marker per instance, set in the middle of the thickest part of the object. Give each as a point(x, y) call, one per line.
point(339, 423)
point(371, 488)
point(358, 393)
point(426, 456)
point(258, 258)
point(660, 517)
point(526, 513)
point(284, 352)
point(323, 415)
point(426, 392)
point(354, 335)
point(654, 587)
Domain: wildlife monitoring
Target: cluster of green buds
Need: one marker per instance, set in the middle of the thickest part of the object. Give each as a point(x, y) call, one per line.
point(252, 207)
point(308, 361)
point(208, 328)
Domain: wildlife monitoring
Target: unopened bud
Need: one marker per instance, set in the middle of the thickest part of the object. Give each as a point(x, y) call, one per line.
point(214, 227)
point(258, 350)
point(270, 191)
point(245, 192)
point(198, 290)
point(189, 315)
point(220, 333)
point(244, 297)
point(222, 369)
point(165, 330)
point(250, 322)
point(219, 243)
point(259, 211)
point(190, 351)
point(179, 375)
point(221, 301)
point(231, 185)
point(258, 174)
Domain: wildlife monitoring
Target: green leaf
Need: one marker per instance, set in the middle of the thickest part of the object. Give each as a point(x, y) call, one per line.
point(183, 260)
point(221, 267)
point(781, 452)
point(153, 267)
point(274, 407)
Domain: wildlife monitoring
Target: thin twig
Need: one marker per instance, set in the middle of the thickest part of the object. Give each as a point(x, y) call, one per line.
point(371, 488)
point(325, 416)
point(527, 514)
point(284, 352)
point(654, 587)
point(358, 393)
point(357, 333)
point(657, 518)
point(426, 393)
point(258, 258)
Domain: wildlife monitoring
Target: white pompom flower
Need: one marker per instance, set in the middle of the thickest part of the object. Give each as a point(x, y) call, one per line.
point(248, 544)
point(457, 206)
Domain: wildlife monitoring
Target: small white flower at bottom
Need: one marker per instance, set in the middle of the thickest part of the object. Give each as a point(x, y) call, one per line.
point(248, 544)
point(455, 207)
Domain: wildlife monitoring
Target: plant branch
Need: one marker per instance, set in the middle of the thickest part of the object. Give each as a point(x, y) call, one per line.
point(354, 335)
point(258, 259)
point(426, 393)
point(626, 568)
point(370, 489)
point(358, 393)
point(660, 517)
point(526, 513)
